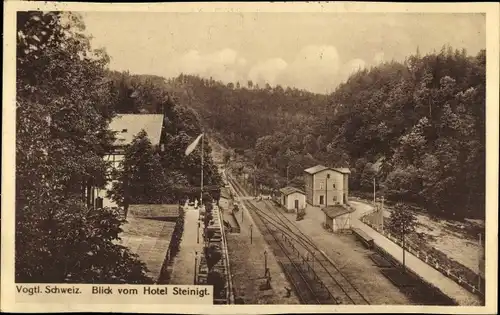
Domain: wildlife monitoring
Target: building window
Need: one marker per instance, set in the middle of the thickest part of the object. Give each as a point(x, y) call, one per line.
point(321, 186)
point(321, 199)
point(334, 185)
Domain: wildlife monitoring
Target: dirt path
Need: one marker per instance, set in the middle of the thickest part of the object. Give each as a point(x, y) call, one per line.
point(183, 269)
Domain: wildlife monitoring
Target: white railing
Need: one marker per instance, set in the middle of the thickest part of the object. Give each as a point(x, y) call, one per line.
point(436, 263)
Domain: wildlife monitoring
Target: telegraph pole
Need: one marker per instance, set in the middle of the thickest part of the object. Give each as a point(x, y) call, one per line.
point(265, 262)
point(201, 184)
point(198, 233)
point(382, 214)
point(326, 190)
point(195, 266)
point(254, 181)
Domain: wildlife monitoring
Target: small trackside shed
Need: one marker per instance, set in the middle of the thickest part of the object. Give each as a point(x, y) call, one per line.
point(337, 218)
point(292, 198)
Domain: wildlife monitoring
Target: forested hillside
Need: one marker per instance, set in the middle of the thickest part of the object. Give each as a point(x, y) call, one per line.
point(426, 120)
point(417, 126)
point(244, 113)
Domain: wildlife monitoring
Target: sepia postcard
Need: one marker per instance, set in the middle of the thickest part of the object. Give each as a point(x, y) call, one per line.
point(250, 158)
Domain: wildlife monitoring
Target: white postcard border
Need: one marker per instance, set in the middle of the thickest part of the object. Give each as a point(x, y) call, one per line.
point(7, 302)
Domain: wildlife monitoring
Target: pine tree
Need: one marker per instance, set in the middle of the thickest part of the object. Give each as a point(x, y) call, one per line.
point(141, 179)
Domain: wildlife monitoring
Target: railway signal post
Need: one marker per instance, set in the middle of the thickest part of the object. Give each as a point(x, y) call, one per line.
point(198, 234)
point(265, 262)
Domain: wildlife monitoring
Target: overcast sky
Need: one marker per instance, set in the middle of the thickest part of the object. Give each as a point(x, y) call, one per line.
point(313, 51)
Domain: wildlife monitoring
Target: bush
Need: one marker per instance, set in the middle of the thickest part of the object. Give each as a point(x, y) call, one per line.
point(208, 217)
point(219, 283)
point(213, 255)
point(177, 234)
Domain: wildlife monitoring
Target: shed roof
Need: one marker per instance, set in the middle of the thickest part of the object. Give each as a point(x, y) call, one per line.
point(154, 211)
point(318, 168)
point(336, 211)
point(290, 190)
point(343, 170)
point(127, 126)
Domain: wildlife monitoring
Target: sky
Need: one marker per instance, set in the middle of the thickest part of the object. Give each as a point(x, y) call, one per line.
point(312, 51)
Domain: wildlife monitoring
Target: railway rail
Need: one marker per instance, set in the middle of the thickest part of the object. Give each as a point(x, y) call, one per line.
point(331, 273)
point(308, 286)
point(335, 287)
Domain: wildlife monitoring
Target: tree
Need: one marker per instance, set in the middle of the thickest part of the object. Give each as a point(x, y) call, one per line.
point(63, 110)
point(402, 222)
point(141, 178)
point(207, 218)
point(367, 177)
point(213, 255)
point(177, 234)
point(403, 183)
point(216, 279)
point(126, 101)
point(207, 201)
point(227, 157)
point(310, 144)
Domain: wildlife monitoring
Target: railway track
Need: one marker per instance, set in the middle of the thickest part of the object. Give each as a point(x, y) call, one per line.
point(325, 274)
point(346, 292)
point(308, 286)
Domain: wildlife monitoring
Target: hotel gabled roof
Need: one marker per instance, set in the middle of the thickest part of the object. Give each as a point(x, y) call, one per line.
point(127, 126)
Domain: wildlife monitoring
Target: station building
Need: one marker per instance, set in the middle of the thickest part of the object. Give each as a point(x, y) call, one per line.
point(326, 186)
